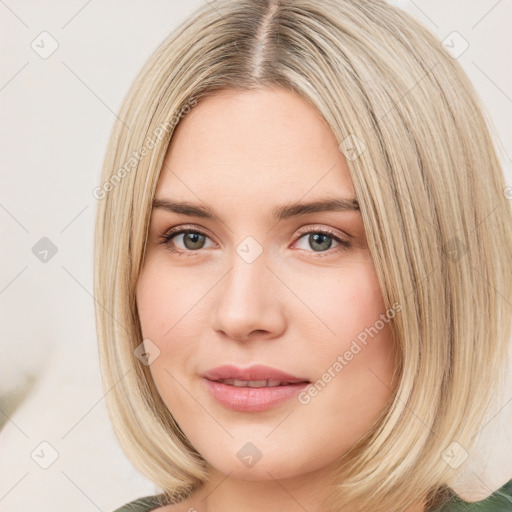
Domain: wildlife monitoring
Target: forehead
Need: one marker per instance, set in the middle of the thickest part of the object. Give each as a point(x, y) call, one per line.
point(254, 148)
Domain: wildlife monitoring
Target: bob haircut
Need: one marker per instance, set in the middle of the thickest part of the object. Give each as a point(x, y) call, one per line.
point(433, 201)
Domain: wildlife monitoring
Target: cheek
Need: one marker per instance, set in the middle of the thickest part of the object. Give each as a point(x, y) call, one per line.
point(157, 311)
point(171, 315)
point(346, 300)
point(151, 302)
point(166, 302)
point(359, 351)
point(361, 321)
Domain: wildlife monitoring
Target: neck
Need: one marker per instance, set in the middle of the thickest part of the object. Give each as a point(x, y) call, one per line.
point(304, 492)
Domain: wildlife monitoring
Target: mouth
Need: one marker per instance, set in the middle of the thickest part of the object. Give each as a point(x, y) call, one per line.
point(252, 389)
point(270, 383)
point(255, 374)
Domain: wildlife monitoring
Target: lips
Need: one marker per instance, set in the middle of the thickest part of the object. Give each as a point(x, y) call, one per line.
point(233, 375)
point(252, 389)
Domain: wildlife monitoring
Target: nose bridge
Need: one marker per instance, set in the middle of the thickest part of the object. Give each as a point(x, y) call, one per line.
point(245, 291)
point(246, 301)
point(249, 272)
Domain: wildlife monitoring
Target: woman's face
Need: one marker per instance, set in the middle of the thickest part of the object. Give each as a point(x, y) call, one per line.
point(255, 278)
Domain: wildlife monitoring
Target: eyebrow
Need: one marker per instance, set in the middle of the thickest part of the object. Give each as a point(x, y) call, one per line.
point(279, 213)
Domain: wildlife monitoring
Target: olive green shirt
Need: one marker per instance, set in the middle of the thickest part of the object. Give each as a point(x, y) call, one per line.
point(499, 501)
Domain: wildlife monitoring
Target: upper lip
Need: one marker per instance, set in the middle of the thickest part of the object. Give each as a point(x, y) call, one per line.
point(254, 372)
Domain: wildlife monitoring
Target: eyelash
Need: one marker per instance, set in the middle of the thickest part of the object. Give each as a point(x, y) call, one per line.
point(166, 237)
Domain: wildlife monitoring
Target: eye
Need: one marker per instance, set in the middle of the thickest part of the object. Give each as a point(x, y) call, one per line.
point(321, 241)
point(191, 239)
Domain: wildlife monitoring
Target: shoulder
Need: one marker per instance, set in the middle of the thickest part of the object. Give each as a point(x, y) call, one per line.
point(499, 501)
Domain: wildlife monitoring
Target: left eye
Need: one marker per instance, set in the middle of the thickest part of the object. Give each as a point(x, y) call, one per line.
point(194, 240)
point(322, 240)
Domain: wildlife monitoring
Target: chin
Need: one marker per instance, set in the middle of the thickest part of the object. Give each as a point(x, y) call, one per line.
point(268, 467)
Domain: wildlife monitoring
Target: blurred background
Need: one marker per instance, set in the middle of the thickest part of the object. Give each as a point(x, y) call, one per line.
point(66, 66)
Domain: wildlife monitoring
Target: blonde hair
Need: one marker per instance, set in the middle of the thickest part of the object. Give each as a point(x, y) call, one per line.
point(431, 193)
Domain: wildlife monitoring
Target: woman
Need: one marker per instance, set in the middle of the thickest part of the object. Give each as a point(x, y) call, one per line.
point(298, 273)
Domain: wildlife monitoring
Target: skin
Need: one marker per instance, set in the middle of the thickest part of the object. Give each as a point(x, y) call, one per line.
point(297, 307)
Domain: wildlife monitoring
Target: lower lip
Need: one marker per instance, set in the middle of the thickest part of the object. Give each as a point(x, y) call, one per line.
point(252, 399)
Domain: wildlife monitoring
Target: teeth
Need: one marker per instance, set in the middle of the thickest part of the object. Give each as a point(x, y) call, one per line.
point(270, 383)
point(257, 383)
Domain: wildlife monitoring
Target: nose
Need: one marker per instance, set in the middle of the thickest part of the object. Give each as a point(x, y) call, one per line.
point(248, 302)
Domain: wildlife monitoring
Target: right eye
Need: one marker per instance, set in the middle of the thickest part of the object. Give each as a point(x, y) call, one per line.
point(192, 240)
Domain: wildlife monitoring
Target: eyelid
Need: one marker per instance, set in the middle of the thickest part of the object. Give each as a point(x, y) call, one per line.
point(325, 229)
